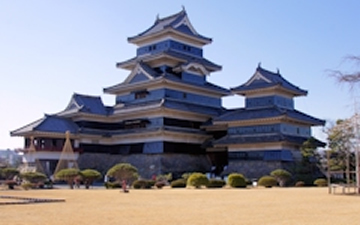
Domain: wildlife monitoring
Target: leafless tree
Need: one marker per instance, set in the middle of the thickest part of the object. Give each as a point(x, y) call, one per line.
point(352, 77)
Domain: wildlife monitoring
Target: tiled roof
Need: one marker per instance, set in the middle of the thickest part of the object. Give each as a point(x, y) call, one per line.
point(174, 22)
point(177, 54)
point(149, 70)
point(110, 133)
point(206, 85)
point(49, 123)
point(189, 107)
point(266, 112)
point(262, 138)
point(191, 58)
point(173, 104)
point(172, 77)
point(90, 104)
point(272, 79)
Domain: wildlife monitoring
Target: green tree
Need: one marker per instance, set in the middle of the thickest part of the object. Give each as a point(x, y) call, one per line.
point(33, 177)
point(281, 176)
point(9, 173)
point(89, 176)
point(197, 180)
point(309, 167)
point(68, 175)
point(123, 171)
point(340, 139)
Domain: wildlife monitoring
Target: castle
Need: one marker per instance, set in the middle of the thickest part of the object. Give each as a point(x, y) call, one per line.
point(167, 118)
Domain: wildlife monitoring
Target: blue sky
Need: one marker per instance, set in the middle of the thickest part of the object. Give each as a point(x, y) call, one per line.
point(51, 49)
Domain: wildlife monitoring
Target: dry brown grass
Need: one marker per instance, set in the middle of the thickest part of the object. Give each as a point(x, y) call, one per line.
point(288, 206)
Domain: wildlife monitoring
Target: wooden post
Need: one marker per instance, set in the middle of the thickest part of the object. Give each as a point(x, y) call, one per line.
point(328, 170)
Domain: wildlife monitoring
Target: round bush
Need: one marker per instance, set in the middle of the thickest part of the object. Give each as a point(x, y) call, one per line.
point(143, 184)
point(215, 183)
point(27, 186)
point(112, 185)
point(197, 180)
point(300, 184)
point(160, 184)
point(267, 181)
point(321, 182)
point(179, 183)
point(237, 180)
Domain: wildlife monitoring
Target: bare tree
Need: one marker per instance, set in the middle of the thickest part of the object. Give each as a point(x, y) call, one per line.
point(352, 77)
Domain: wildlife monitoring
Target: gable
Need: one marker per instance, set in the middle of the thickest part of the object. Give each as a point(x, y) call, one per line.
point(185, 26)
point(138, 74)
point(138, 77)
point(72, 104)
point(257, 78)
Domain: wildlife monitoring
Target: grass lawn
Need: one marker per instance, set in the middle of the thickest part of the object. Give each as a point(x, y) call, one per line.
point(288, 206)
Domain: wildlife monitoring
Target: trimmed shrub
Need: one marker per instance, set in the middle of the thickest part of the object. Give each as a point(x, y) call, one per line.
point(215, 183)
point(186, 176)
point(321, 182)
point(9, 173)
point(123, 171)
point(300, 184)
point(89, 176)
point(179, 183)
point(237, 180)
point(11, 184)
point(282, 176)
point(33, 177)
point(197, 180)
point(143, 184)
point(267, 181)
point(112, 185)
point(68, 175)
point(27, 186)
point(160, 184)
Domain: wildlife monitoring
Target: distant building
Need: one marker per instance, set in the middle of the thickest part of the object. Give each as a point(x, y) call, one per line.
point(10, 158)
point(168, 118)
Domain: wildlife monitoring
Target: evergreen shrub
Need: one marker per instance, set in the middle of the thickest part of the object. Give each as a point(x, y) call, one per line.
point(179, 183)
point(11, 184)
point(300, 184)
point(160, 184)
point(197, 180)
point(321, 182)
point(237, 180)
point(215, 183)
point(143, 184)
point(112, 185)
point(267, 181)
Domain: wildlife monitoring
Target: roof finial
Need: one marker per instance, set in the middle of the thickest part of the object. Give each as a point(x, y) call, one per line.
point(277, 70)
point(183, 8)
point(259, 65)
point(157, 17)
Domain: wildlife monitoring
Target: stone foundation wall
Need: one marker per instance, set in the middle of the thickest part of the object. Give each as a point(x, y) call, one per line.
point(147, 164)
point(254, 169)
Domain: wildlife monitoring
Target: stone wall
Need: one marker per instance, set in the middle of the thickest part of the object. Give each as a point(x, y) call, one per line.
point(254, 169)
point(147, 164)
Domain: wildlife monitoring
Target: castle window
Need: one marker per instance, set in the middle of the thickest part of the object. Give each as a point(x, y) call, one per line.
point(184, 95)
point(54, 142)
point(152, 47)
point(141, 94)
point(186, 48)
point(133, 124)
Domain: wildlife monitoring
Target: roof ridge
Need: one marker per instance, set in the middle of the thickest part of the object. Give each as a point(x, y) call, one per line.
point(158, 19)
point(86, 95)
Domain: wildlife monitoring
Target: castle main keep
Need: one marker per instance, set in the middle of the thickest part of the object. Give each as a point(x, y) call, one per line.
point(167, 118)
